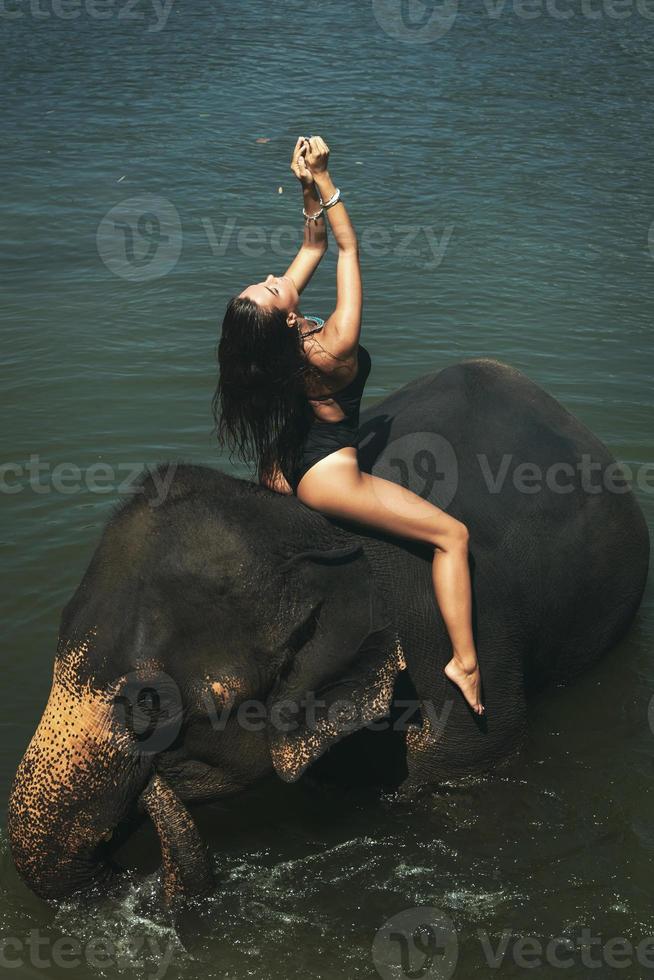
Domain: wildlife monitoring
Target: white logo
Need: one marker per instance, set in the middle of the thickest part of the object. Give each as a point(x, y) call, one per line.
point(140, 238)
point(424, 463)
point(418, 942)
point(413, 21)
point(148, 705)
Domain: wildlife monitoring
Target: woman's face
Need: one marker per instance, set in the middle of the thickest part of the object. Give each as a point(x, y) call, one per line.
point(276, 292)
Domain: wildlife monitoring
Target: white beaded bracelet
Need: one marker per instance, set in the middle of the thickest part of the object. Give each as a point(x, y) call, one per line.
point(312, 217)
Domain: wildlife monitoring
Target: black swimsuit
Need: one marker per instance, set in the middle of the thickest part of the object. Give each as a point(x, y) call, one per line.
point(327, 437)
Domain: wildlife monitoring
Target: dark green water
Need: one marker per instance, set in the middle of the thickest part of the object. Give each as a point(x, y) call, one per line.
point(499, 173)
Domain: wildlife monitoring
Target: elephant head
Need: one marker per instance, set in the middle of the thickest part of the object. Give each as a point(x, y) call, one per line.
point(224, 634)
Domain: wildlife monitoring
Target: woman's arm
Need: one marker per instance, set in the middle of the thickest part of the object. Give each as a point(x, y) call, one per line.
point(314, 245)
point(342, 329)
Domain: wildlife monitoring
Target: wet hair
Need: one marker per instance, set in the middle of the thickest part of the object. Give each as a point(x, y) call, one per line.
point(260, 404)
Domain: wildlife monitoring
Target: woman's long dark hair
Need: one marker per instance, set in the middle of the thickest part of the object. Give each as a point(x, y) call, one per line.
point(260, 404)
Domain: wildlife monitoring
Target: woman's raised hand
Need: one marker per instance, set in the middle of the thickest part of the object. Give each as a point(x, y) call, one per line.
point(298, 162)
point(317, 155)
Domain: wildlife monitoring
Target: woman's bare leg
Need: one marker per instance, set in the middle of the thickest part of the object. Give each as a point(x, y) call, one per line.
point(451, 577)
point(335, 486)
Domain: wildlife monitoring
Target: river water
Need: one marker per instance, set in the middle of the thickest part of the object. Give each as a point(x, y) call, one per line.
point(497, 162)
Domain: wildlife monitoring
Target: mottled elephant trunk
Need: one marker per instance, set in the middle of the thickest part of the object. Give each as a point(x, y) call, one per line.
point(81, 774)
point(186, 867)
point(75, 783)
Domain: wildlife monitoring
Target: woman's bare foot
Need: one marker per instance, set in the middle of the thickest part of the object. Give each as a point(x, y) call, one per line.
point(468, 679)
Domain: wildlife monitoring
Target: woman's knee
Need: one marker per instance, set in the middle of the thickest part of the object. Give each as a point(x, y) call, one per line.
point(453, 536)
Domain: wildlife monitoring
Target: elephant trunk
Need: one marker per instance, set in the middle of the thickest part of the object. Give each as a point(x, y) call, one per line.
point(75, 783)
point(79, 777)
point(186, 867)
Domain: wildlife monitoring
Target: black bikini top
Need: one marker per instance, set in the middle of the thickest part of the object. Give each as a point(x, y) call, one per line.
point(349, 397)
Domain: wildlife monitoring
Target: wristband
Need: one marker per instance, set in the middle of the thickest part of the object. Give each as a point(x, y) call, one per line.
point(334, 199)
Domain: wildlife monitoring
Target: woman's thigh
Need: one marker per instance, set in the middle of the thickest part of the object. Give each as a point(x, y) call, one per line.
point(337, 487)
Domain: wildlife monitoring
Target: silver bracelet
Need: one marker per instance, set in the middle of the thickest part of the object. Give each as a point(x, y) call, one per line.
point(334, 199)
point(312, 217)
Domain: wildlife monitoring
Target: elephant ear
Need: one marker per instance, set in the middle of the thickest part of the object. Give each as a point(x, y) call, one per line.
point(342, 677)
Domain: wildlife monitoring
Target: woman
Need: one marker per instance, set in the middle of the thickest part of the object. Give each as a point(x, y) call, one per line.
point(292, 404)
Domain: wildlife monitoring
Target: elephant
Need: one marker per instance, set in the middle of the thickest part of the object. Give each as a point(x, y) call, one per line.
point(226, 600)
